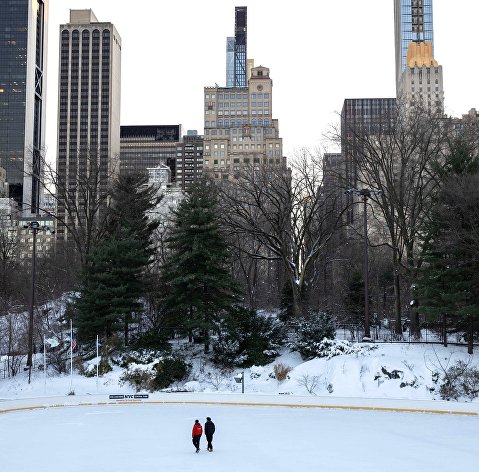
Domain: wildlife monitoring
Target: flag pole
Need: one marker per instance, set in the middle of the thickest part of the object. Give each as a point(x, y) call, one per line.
point(97, 362)
point(44, 364)
point(71, 356)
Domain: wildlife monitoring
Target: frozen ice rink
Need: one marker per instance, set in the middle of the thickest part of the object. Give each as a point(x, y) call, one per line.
point(157, 437)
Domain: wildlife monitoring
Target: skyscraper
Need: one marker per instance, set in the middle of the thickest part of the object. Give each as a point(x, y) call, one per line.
point(240, 131)
point(240, 47)
point(412, 22)
point(23, 33)
point(88, 107)
point(144, 147)
point(230, 61)
point(360, 116)
point(421, 82)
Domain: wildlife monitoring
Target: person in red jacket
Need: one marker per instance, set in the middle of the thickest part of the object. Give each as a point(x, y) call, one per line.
point(196, 434)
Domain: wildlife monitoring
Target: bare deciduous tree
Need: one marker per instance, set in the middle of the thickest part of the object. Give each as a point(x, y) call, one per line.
point(82, 197)
point(286, 214)
point(398, 156)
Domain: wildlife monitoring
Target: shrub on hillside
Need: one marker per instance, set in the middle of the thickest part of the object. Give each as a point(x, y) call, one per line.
point(310, 331)
point(152, 340)
point(138, 356)
point(156, 375)
point(281, 372)
point(460, 381)
point(248, 338)
point(332, 347)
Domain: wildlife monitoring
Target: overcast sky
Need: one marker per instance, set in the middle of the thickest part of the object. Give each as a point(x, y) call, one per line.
point(319, 52)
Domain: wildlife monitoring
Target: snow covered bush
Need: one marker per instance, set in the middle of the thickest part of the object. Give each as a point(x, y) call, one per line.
point(157, 375)
point(460, 380)
point(247, 338)
point(329, 348)
point(309, 332)
point(168, 370)
point(140, 356)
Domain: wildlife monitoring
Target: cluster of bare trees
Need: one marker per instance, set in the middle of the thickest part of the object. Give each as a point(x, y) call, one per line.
point(282, 216)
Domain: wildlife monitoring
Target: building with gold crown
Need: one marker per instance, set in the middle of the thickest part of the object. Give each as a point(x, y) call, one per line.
point(421, 81)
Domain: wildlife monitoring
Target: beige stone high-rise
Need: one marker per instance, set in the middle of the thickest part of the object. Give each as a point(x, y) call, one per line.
point(421, 81)
point(240, 130)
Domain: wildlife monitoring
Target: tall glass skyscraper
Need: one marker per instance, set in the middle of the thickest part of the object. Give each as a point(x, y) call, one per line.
point(240, 50)
point(230, 61)
point(23, 32)
point(412, 22)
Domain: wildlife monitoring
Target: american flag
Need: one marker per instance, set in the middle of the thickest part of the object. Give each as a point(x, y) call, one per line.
point(74, 343)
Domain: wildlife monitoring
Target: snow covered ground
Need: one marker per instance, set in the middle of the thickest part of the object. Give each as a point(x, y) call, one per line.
point(361, 376)
point(334, 427)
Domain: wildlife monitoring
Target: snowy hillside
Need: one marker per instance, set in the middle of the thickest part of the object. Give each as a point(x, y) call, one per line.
point(395, 371)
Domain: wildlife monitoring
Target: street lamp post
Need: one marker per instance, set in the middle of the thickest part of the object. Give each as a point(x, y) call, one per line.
point(240, 379)
point(366, 193)
point(35, 227)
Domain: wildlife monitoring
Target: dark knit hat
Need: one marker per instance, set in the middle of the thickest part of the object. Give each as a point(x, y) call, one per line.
point(208, 418)
point(197, 421)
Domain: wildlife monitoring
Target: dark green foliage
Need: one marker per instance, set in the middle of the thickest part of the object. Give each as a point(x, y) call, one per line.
point(137, 356)
point(112, 280)
point(248, 338)
point(310, 331)
point(111, 287)
point(198, 285)
point(354, 299)
point(169, 370)
point(161, 375)
point(448, 282)
point(152, 340)
point(128, 214)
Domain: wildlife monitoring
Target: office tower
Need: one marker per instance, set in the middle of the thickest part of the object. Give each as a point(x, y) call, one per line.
point(421, 81)
point(144, 147)
point(412, 22)
point(23, 34)
point(239, 127)
point(240, 47)
point(360, 117)
point(230, 61)
point(189, 160)
point(88, 109)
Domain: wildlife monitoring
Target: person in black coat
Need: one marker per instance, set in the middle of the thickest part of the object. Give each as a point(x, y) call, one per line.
point(209, 431)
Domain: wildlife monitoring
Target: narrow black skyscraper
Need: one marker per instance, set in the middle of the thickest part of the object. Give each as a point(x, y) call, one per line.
point(240, 47)
point(23, 32)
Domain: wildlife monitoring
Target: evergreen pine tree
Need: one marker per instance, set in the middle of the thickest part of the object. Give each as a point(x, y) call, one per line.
point(199, 286)
point(111, 287)
point(113, 278)
point(448, 282)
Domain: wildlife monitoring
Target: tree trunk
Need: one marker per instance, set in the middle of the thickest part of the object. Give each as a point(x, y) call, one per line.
point(297, 302)
point(206, 335)
point(397, 296)
point(444, 329)
point(470, 335)
point(415, 329)
point(125, 329)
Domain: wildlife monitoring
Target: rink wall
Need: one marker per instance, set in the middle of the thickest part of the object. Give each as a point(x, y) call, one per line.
point(384, 405)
